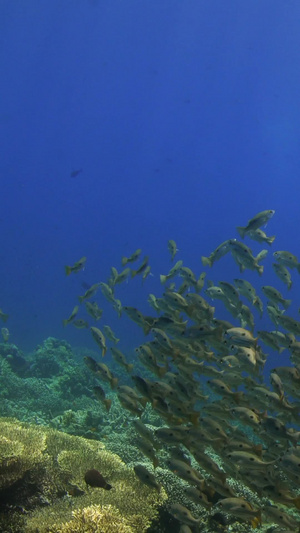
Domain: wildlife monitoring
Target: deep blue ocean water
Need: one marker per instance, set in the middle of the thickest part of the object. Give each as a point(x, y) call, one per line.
point(185, 119)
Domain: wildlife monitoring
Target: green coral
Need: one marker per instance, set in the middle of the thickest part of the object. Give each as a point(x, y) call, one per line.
point(56, 463)
point(50, 358)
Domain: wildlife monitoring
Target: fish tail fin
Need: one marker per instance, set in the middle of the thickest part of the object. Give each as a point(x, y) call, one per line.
point(194, 418)
point(223, 477)
point(258, 450)
point(218, 333)
point(124, 261)
point(162, 370)
point(146, 328)
point(133, 273)
point(104, 350)
point(155, 462)
point(107, 404)
point(65, 322)
point(81, 298)
point(114, 383)
point(206, 261)
point(270, 240)
point(260, 269)
point(242, 231)
point(163, 278)
point(287, 303)
point(238, 396)
point(143, 401)
point(256, 522)
point(129, 367)
point(68, 270)
point(297, 502)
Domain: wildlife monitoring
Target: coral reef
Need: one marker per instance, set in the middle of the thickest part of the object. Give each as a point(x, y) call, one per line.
point(42, 485)
point(64, 401)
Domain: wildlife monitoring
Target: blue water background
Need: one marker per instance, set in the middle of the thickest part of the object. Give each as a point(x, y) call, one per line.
point(185, 118)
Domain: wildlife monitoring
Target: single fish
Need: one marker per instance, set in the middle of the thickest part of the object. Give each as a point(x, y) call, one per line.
point(256, 222)
point(79, 265)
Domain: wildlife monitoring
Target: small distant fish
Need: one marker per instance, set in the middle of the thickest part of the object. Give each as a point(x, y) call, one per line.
point(117, 305)
point(275, 296)
point(3, 316)
point(104, 372)
point(284, 520)
point(5, 334)
point(93, 310)
point(240, 508)
point(245, 288)
point(74, 490)
point(174, 270)
point(147, 449)
point(133, 257)
point(219, 252)
point(79, 265)
point(107, 292)
point(71, 317)
point(260, 236)
point(99, 339)
point(119, 277)
point(130, 404)
point(183, 514)
point(79, 323)
point(92, 364)
point(287, 258)
point(110, 334)
point(146, 477)
point(185, 471)
point(172, 247)
point(75, 173)
point(146, 273)
point(95, 479)
point(89, 293)
point(100, 395)
point(244, 257)
point(141, 268)
point(256, 222)
point(282, 272)
point(221, 388)
point(120, 358)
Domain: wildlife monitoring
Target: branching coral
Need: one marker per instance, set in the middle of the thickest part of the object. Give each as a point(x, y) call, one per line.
point(94, 519)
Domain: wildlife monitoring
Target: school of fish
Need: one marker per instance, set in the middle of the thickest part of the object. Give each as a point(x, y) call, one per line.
point(207, 382)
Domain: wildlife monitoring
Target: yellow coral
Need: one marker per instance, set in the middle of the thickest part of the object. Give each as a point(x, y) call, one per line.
point(94, 519)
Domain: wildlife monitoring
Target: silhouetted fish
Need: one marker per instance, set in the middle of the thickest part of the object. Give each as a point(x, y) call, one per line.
point(95, 479)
